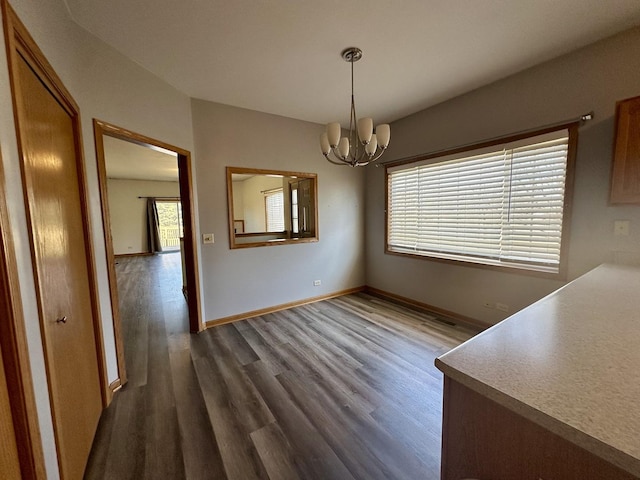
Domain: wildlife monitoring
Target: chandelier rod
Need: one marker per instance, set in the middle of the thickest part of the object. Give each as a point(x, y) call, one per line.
point(353, 132)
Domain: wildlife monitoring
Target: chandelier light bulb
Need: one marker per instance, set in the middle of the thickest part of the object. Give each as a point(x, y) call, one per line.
point(324, 144)
point(371, 147)
point(343, 147)
point(365, 129)
point(362, 146)
point(383, 132)
point(333, 134)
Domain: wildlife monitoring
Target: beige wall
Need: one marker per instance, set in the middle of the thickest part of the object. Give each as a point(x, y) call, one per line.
point(129, 213)
point(242, 280)
point(593, 78)
point(255, 219)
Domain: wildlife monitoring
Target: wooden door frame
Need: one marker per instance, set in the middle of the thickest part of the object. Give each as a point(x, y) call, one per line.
point(100, 129)
point(15, 355)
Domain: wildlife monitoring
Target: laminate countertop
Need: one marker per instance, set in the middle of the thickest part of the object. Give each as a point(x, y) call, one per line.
point(570, 363)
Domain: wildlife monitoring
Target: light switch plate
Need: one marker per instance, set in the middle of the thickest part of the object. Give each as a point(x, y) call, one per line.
point(207, 238)
point(621, 228)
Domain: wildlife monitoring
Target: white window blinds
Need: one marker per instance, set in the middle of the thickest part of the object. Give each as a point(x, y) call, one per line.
point(498, 207)
point(274, 205)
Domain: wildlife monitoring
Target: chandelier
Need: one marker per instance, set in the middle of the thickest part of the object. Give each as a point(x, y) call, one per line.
point(362, 146)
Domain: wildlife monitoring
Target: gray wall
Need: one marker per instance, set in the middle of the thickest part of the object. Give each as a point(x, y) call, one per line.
point(593, 78)
point(243, 280)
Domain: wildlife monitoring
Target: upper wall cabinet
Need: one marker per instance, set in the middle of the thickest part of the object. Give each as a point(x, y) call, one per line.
point(625, 178)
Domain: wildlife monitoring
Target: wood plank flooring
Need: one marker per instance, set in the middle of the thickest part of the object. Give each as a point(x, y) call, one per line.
point(339, 389)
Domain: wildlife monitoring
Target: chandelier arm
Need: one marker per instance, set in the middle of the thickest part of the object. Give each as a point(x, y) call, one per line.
point(370, 159)
point(376, 157)
point(364, 160)
point(341, 162)
point(364, 157)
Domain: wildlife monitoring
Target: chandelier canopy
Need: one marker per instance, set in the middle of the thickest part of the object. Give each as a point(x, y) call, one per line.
point(362, 146)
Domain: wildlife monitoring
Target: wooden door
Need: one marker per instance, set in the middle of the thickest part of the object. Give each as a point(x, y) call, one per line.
point(65, 284)
point(305, 210)
point(9, 460)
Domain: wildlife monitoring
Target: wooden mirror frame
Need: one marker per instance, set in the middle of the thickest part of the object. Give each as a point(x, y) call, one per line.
point(311, 236)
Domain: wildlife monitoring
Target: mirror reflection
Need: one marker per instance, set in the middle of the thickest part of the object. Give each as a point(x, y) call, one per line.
point(271, 207)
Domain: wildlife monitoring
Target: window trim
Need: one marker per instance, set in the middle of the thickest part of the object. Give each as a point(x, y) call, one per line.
point(572, 147)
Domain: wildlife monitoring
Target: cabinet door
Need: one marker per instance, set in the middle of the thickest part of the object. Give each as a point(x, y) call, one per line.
point(484, 440)
point(625, 178)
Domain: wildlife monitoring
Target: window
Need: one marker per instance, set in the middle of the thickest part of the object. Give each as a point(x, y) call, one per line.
point(501, 205)
point(170, 226)
point(294, 210)
point(274, 206)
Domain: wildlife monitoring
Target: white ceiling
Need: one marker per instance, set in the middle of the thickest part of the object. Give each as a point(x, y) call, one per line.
point(283, 56)
point(127, 160)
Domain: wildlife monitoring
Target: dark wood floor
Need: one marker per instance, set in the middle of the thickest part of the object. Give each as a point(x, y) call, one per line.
point(340, 389)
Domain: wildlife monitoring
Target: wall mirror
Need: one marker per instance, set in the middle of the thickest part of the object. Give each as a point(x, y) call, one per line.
point(271, 207)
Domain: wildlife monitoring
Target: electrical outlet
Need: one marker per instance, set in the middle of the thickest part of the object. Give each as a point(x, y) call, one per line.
point(317, 283)
point(207, 238)
point(503, 307)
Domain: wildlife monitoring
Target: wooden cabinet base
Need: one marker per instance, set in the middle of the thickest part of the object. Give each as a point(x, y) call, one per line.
point(483, 440)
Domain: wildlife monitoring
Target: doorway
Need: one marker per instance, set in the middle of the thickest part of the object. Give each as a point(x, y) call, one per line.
point(105, 132)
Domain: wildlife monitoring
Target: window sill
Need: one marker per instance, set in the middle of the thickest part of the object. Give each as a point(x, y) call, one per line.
point(541, 271)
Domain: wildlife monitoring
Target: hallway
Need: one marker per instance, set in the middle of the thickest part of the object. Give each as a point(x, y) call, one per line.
point(157, 425)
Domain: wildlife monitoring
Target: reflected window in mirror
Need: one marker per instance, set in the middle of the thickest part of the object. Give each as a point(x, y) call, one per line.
point(274, 209)
point(271, 207)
